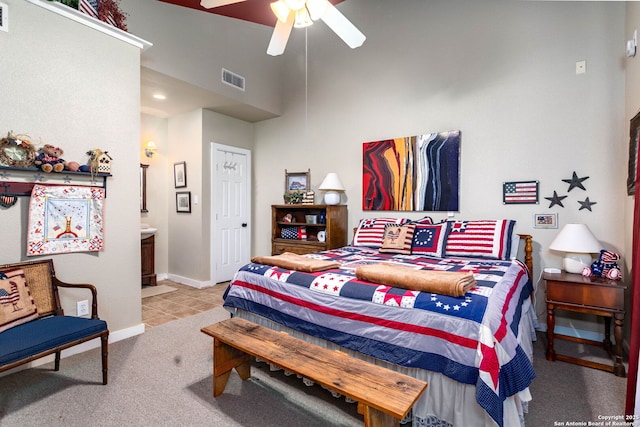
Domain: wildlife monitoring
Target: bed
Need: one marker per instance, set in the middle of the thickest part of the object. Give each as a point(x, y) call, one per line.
point(474, 350)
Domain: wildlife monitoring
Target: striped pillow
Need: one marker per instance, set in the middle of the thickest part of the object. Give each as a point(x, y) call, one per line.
point(398, 239)
point(480, 239)
point(370, 232)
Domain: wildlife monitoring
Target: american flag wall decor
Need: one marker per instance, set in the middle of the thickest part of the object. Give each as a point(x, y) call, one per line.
point(520, 192)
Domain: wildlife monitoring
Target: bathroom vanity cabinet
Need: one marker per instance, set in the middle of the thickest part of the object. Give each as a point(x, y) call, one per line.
point(147, 248)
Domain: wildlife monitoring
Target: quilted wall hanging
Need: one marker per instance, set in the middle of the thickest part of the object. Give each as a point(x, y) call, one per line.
point(417, 173)
point(65, 219)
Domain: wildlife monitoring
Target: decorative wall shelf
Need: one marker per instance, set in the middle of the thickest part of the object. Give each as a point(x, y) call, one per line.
point(94, 23)
point(20, 181)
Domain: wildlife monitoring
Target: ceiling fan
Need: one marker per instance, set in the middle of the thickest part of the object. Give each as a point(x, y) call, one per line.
point(300, 14)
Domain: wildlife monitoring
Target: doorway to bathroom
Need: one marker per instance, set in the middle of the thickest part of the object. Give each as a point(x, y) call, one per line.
point(230, 210)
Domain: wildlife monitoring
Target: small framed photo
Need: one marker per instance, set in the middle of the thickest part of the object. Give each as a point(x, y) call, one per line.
point(183, 201)
point(180, 174)
point(296, 181)
point(548, 220)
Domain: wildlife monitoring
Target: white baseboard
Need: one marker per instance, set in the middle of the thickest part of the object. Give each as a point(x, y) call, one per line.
point(81, 348)
point(190, 282)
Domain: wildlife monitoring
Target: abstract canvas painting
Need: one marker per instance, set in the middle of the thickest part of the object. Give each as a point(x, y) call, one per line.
point(416, 173)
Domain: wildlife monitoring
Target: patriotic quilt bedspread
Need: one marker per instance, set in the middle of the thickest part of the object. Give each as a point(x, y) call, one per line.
point(471, 339)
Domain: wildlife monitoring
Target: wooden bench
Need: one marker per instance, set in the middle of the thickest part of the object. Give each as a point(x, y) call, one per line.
point(384, 397)
point(52, 331)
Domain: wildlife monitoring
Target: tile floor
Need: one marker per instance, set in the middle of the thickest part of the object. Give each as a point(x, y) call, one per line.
point(185, 301)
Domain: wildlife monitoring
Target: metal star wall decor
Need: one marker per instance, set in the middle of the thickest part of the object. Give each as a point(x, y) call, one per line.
point(575, 182)
point(556, 200)
point(586, 204)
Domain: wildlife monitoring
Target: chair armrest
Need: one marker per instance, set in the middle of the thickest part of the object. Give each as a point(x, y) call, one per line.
point(94, 293)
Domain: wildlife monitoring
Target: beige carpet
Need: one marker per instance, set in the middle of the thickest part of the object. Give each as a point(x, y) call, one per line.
point(151, 291)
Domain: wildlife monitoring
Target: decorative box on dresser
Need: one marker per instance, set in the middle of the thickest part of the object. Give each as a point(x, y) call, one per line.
point(334, 226)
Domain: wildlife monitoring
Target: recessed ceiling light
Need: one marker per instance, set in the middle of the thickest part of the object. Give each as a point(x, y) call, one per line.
point(159, 96)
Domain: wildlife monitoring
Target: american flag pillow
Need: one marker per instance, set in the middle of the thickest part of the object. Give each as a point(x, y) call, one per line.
point(480, 239)
point(370, 232)
point(430, 239)
point(294, 233)
point(398, 239)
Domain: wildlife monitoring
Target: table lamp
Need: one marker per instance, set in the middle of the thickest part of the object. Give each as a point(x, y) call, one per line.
point(332, 186)
point(578, 243)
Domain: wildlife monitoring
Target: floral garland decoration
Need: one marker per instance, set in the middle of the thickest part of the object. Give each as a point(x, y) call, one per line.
point(109, 11)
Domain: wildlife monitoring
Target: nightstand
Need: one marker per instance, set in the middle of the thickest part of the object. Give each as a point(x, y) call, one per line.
point(591, 295)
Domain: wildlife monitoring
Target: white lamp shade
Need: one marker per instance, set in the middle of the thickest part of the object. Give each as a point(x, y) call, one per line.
point(577, 241)
point(332, 186)
point(331, 182)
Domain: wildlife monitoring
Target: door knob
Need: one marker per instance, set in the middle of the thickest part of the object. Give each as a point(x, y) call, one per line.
point(244, 224)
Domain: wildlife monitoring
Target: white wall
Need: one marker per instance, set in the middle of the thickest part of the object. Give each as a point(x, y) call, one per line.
point(69, 85)
point(194, 47)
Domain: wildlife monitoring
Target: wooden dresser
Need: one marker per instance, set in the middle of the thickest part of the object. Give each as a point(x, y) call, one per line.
point(303, 216)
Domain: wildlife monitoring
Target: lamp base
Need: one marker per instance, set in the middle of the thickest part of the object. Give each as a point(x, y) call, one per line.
point(332, 198)
point(574, 263)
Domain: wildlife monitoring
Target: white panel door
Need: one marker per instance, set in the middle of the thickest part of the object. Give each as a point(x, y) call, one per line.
point(231, 210)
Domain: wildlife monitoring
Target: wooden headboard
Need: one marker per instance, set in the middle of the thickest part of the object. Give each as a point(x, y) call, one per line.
point(528, 251)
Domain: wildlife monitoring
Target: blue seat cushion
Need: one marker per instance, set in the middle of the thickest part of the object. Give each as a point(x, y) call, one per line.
point(34, 337)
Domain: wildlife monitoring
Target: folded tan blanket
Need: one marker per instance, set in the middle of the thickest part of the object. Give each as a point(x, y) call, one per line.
point(296, 262)
point(441, 282)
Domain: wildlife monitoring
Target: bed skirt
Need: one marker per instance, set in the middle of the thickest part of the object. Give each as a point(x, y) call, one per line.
point(445, 402)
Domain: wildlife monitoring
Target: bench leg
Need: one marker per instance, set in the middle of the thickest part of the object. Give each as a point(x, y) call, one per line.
point(56, 364)
point(376, 418)
point(105, 353)
point(225, 359)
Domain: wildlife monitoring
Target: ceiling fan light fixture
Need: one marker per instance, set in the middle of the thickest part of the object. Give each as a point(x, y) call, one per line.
point(295, 5)
point(302, 19)
point(281, 10)
point(316, 8)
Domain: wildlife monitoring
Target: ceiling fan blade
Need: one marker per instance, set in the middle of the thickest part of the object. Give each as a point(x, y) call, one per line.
point(342, 27)
point(209, 4)
point(280, 36)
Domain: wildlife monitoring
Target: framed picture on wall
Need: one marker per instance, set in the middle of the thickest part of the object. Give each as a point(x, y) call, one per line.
point(634, 133)
point(180, 174)
point(183, 201)
point(548, 220)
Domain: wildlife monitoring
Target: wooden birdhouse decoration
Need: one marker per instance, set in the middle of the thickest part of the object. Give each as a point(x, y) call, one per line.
point(100, 161)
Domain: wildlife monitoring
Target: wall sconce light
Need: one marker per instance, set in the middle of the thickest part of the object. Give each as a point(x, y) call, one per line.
point(332, 186)
point(150, 149)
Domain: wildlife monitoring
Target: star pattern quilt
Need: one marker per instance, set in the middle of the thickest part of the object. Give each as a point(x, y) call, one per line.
point(65, 219)
point(471, 339)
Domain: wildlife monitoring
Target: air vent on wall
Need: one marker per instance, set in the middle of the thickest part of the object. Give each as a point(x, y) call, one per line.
point(233, 79)
point(4, 17)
